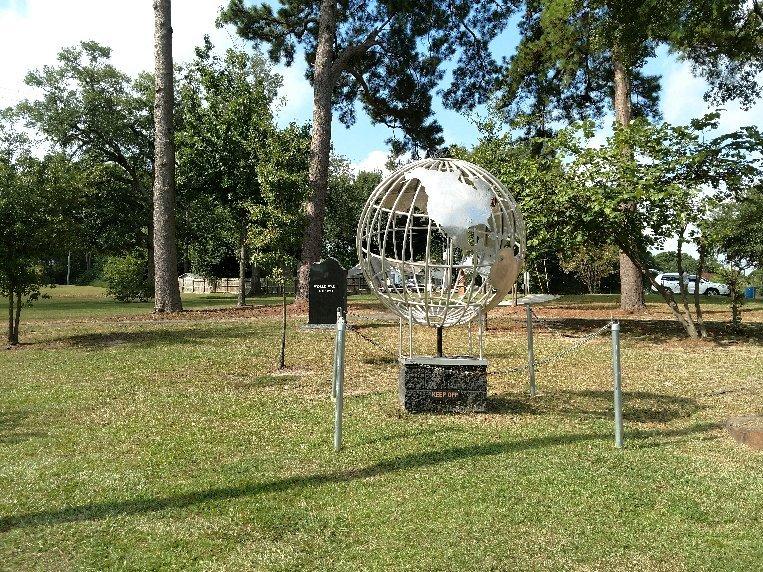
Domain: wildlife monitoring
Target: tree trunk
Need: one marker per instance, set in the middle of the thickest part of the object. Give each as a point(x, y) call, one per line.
point(242, 267)
point(736, 297)
point(670, 300)
point(320, 145)
point(631, 287)
point(282, 357)
point(13, 335)
point(167, 291)
point(683, 288)
point(254, 285)
point(697, 305)
point(68, 267)
point(666, 294)
point(17, 320)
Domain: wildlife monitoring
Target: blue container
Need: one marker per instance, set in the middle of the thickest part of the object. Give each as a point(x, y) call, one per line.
point(749, 293)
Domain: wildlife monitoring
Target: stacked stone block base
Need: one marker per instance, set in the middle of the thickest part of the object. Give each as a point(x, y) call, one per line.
point(443, 385)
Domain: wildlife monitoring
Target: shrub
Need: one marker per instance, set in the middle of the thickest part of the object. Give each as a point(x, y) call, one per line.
point(93, 276)
point(127, 278)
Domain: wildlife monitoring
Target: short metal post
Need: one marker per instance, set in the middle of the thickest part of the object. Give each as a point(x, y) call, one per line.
point(481, 318)
point(530, 350)
point(334, 375)
point(439, 341)
point(618, 387)
point(339, 403)
point(470, 337)
point(400, 340)
point(410, 334)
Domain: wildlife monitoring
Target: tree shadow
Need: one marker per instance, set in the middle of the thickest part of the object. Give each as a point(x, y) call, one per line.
point(503, 405)
point(356, 305)
point(98, 511)
point(379, 360)
point(408, 435)
point(375, 324)
point(654, 330)
point(149, 337)
point(10, 422)
point(638, 406)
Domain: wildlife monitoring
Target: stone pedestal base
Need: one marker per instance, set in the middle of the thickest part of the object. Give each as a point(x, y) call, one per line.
point(439, 385)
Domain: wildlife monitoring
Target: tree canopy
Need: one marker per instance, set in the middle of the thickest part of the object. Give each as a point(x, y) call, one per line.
point(564, 66)
point(101, 117)
point(387, 53)
point(40, 216)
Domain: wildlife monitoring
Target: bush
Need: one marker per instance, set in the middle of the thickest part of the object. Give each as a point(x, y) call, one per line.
point(127, 278)
point(93, 276)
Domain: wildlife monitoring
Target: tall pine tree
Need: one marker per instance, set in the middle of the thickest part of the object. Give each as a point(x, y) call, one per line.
point(582, 58)
point(167, 291)
point(389, 54)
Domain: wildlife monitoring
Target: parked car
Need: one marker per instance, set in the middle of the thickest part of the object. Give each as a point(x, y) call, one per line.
point(419, 284)
point(670, 281)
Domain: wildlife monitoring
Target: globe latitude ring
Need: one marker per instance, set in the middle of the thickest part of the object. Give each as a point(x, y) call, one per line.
point(441, 241)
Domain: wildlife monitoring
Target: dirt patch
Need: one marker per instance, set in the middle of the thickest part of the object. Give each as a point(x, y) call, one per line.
point(747, 430)
point(232, 313)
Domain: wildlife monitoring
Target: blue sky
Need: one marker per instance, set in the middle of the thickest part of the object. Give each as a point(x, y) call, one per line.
point(32, 32)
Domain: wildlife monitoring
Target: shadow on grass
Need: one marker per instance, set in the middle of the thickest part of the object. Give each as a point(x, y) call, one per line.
point(360, 305)
point(638, 406)
point(10, 421)
point(652, 330)
point(97, 511)
point(379, 360)
point(163, 335)
point(376, 324)
point(409, 435)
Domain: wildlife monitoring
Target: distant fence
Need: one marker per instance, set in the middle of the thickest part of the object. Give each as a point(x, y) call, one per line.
point(207, 285)
point(199, 285)
point(357, 285)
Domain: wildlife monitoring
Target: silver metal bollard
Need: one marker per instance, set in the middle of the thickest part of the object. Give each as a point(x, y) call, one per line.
point(618, 387)
point(400, 340)
point(481, 332)
point(339, 380)
point(336, 354)
point(410, 334)
point(530, 350)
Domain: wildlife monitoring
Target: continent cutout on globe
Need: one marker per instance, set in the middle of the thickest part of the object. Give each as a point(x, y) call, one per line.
point(453, 204)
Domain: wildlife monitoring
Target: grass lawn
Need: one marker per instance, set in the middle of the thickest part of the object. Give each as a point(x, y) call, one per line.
point(130, 442)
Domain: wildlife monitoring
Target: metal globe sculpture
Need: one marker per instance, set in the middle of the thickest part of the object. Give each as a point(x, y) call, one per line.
point(441, 241)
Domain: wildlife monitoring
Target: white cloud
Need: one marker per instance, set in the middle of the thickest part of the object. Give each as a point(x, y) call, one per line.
point(32, 32)
point(671, 245)
point(375, 161)
point(682, 94)
point(682, 100)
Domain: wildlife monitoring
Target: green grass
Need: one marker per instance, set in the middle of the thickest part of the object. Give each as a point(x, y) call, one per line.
point(133, 443)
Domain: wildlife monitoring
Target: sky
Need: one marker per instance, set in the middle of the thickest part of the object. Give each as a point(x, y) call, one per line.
point(33, 31)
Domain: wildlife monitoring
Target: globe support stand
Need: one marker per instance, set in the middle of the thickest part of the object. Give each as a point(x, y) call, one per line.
point(441, 241)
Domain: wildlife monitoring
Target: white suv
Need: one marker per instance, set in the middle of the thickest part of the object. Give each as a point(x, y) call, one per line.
point(670, 281)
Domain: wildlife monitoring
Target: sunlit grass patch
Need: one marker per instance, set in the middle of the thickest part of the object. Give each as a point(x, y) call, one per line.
point(178, 444)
